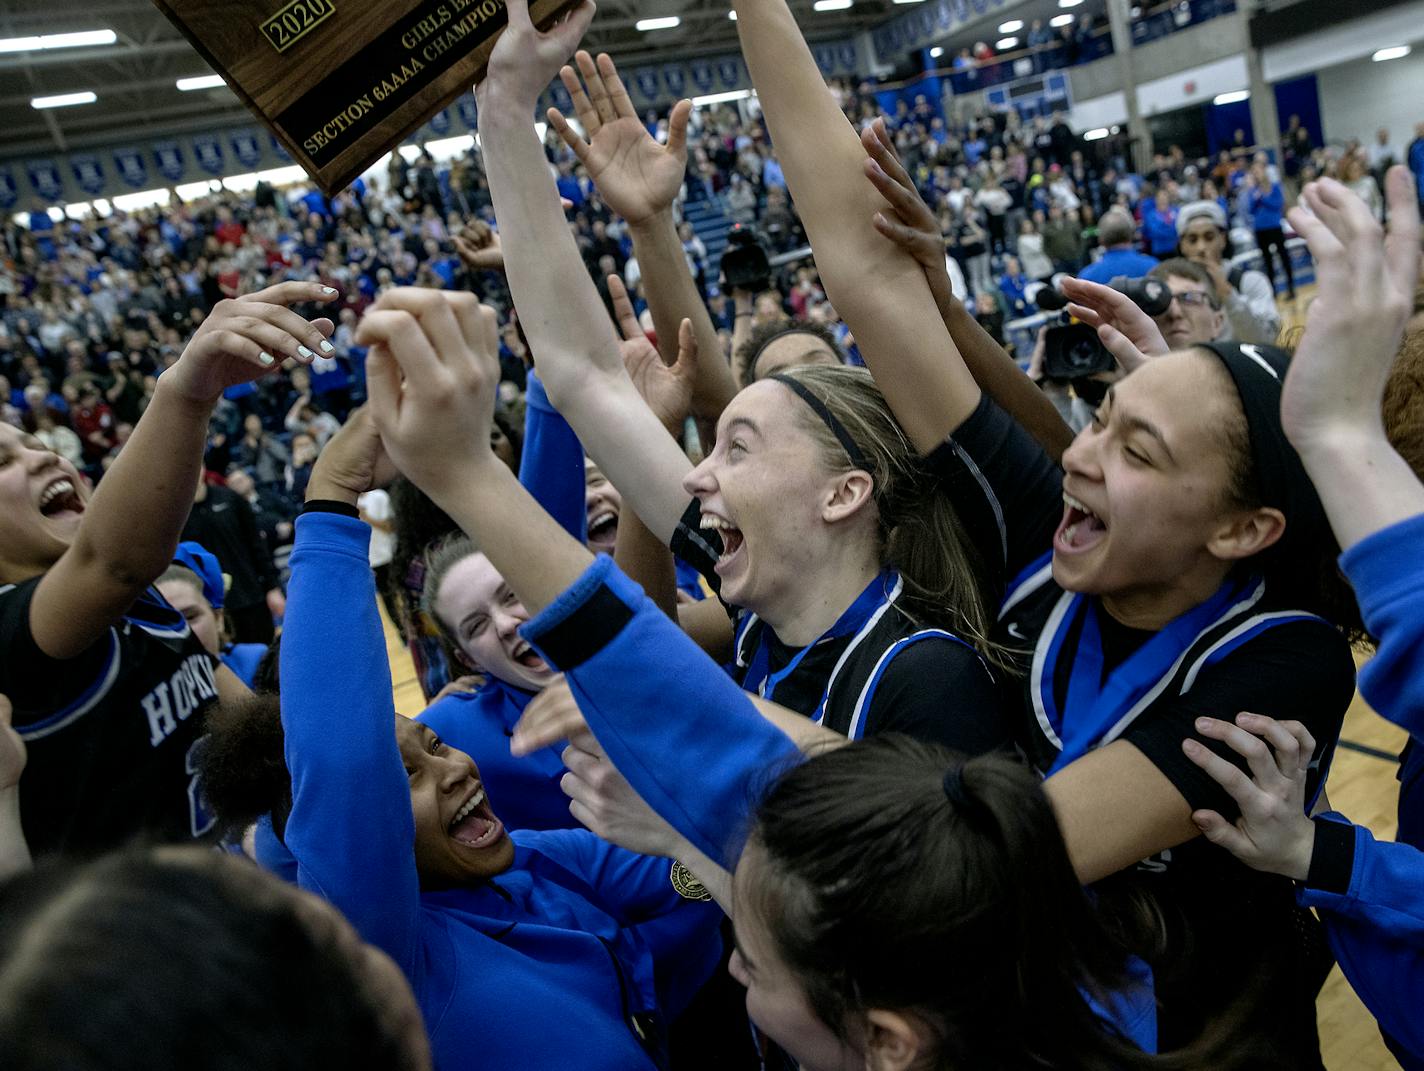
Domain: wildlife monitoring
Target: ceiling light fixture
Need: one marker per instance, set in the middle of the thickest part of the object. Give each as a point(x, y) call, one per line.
point(58, 40)
point(202, 81)
point(64, 100)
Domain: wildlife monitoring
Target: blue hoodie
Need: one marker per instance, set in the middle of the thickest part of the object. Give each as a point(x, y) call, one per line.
point(1370, 893)
point(554, 963)
point(1266, 206)
point(686, 737)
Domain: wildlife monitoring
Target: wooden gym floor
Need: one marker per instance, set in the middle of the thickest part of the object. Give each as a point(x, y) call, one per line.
point(1362, 786)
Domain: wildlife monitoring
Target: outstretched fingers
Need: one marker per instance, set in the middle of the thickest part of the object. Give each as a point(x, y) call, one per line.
point(598, 95)
point(618, 98)
point(623, 310)
point(1401, 242)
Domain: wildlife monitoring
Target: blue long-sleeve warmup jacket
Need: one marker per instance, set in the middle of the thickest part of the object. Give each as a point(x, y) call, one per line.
point(686, 737)
point(553, 963)
point(1266, 206)
point(525, 792)
point(1370, 893)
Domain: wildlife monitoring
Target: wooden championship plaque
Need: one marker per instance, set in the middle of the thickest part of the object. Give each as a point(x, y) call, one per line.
point(341, 82)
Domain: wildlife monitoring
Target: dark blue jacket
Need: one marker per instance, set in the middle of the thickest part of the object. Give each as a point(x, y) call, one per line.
point(546, 965)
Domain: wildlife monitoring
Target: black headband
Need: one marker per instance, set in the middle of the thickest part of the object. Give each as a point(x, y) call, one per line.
point(856, 455)
point(1258, 373)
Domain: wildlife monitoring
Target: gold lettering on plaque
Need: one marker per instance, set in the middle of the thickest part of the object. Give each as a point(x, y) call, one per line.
point(295, 21)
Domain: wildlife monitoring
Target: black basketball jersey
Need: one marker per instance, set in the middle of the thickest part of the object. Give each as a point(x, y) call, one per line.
point(113, 735)
point(838, 682)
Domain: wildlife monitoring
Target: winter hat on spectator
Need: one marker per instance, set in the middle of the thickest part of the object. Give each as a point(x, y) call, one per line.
point(1199, 210)
point(200, 560)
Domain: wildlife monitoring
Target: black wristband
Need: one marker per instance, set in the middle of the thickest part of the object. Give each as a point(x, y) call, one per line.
point(330, 505)
point(1332, 863)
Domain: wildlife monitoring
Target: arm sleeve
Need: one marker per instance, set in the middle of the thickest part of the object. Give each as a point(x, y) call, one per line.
point(1008, 494)
point(637, 887)
point(1298, 670)
point(688, 740)
point(351, 829)
point(911, 698)
point(1375, 922)
point(1387, 571)
point(551, 467)
point(1252, 311)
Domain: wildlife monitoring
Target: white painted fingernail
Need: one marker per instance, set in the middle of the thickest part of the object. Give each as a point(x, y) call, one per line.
point(328, 289)
point(266, 358)
point(327, 347)
point(302, 351)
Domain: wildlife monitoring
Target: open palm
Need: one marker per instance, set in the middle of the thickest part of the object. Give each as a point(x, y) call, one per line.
point(666, 388)
point(636, 176)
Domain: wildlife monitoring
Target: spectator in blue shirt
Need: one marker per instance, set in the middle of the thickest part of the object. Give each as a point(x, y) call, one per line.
point(1266, 202)
point(1159, 224)
point(1012, 285)
point(1119, 258)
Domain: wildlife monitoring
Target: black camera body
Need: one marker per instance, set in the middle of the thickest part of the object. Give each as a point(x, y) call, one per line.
point(1074, 351)
point(745, 264)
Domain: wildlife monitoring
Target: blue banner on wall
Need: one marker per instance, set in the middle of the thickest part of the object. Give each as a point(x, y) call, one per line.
point(88, 172)
point(208, 151)
point(45, 180)
point(675, 78)
point(168, 156)
point(440, 122)
point(131, 168)
point(700, 71)
point(646, 79)
point(919, 28)
point(729, 70)
point(246, 147)
point(9, 192)
point(279, 149)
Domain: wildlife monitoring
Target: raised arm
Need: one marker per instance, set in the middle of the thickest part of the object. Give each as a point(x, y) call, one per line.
point(351, 829)
point(639, 179)
point(558, 304)
point(910, 224)
point(877, 288)
point(131, 525)
point(1331, 401)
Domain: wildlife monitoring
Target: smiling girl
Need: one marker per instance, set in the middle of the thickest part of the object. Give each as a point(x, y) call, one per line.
point(855, 584)
point(1175, 566)
point(108, 681)
point(532, 949)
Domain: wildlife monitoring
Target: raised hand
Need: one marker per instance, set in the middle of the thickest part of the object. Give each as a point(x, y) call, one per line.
point(1353, 328)
point(525, 60)
point(243, 338)
point(635, 176)
point(1274, 833)
point(478, 247)
point(432, 372)
point(550, 717)
point(353, 461)
point(909, 223)
point(1127, 332)
point(667, 389)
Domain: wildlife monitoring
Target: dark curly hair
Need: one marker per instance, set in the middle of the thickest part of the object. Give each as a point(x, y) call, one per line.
point(764, 335)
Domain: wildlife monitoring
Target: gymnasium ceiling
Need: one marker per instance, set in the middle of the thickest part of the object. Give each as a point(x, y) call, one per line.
point(134, 77)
